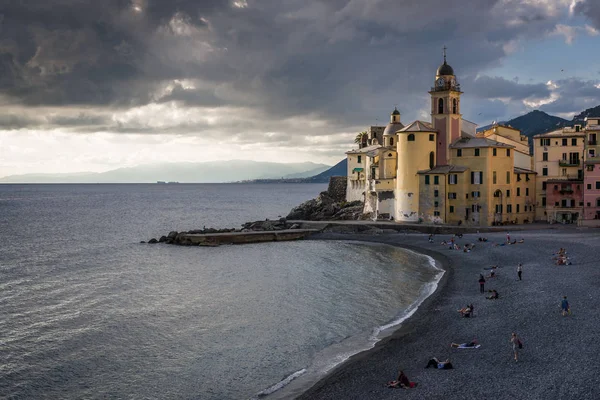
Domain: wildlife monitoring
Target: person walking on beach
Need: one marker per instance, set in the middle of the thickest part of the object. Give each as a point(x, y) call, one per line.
point(564, 305)
point(481, 283)
point(516, 345)
point(507, 237)
point(520, 270)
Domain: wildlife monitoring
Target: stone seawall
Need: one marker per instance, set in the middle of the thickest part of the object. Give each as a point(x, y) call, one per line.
point(215, 239)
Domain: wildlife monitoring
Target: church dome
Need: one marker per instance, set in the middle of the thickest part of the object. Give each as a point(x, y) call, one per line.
point(392, 128)
point(445, 69)
point(396, 112)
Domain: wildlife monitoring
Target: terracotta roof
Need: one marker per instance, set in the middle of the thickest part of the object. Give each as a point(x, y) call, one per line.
point(418, 126)
point(443, 169)
point(466, 142)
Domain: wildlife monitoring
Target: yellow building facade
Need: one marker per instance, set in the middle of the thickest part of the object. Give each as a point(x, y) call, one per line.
point(442, 171)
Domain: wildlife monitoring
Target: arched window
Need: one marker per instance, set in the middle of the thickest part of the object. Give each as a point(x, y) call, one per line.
point(440, 106)
point(411, 138)
point(431, 160)
point(454, 106)
point(391, 141)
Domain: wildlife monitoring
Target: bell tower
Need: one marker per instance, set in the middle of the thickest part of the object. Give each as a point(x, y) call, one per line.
point(445, 110)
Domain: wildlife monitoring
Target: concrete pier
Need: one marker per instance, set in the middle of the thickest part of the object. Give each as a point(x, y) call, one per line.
point(215, 239)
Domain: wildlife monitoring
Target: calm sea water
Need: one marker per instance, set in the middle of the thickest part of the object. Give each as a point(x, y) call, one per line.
point(89, 312)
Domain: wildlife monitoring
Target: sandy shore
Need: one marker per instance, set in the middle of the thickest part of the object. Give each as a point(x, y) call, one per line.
point(560, 358)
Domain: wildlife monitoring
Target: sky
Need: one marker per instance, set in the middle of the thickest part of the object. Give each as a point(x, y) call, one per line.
point(88, 85)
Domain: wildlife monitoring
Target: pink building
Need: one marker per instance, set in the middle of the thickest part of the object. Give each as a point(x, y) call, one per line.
point(564, 199)
point(591, 197)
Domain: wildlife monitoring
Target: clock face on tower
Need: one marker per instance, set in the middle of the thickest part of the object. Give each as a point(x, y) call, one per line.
point(440, 82)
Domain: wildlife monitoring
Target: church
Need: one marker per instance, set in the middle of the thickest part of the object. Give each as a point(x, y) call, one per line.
point(443, 171)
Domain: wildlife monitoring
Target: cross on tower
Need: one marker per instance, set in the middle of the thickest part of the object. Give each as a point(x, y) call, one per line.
point(445, 53)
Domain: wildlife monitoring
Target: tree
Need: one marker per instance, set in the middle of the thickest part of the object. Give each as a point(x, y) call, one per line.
point(361, 138)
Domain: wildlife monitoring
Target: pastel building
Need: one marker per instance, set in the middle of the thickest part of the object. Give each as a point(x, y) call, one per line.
point(591, 173)
point(443, 171)
point(558, 159)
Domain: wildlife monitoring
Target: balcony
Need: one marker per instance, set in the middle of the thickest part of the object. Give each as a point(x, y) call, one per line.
point(569, 163)
point(592, 142)
point(565, 191)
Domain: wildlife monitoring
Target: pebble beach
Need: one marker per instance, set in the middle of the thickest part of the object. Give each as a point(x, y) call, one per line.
point(560, 357)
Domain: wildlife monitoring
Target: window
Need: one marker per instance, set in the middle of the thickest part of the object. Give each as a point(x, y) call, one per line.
point(517, 207)
point(454, 106)
point(436, 204)
point(436, 180)
point(518, 191)
point(544, 171)
point(359, 159)
point(507, 152)
point(494, 177)
point(507, 193)
point(476, 178)
point(451, 210)
point(564, 172)
point(494, 152)
point(589, 186)
point(431, 160)
point(564, 142)
point(518, 177)
point(573, 142)
point(440, 106)
point(436, 213)
point(476, 153)
point(427, 179)
point(498, 208)
point(391, 141)
point(476, 194)
point(589, 167)
point(411, 138)
point(458, 152)
point(509, 208)
point(507, 176)
point(475, 208)
point(597, 185)
point(452, 195)
point(452, 179)
point(544, 156)
point(436, 193)
point(526, 191)
point(544, 142)
point(544, 185)
point(543, 202)
point(592, 153)
point(597, 202)
point(564, 156)
point(556, 204)
point(432, 137)
point(589, 204)
point(564, 203)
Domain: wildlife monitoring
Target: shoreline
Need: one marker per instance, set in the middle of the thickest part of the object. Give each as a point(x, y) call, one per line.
point(528, 307)
point(297, 383)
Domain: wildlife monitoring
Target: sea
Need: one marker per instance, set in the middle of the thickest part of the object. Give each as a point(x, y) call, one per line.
point(89, 312)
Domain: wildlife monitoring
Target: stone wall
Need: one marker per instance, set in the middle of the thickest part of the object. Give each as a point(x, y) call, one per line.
point(337, 188)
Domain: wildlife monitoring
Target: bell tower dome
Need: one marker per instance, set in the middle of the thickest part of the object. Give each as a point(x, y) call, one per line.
point(445, 110)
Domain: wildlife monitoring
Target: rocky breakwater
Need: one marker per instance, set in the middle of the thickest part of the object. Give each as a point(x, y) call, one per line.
point(326, 208)
point(250, 232)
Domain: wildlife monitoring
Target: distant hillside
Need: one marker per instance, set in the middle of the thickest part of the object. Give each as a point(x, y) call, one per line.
point(207, 172)
point(536, 122)
point(339, 169)
point(590, 112)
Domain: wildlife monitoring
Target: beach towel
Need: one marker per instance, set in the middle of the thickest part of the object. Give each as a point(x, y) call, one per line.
point(462, 346)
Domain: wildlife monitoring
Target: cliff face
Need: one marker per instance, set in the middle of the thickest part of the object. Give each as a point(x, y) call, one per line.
point(326, 208)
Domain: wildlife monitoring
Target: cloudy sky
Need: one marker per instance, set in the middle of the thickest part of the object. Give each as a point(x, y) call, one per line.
point(89, 85)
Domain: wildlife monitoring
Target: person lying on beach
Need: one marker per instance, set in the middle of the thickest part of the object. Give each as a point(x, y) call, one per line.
point(492, 273)
point(482, 239)
point(563, 261)
point(499, 244)
point(402, 382)
point(494, 295)
point(435, 363)
point(465, 312)
point(521, 241)
point(513, 242)
point(470, 345)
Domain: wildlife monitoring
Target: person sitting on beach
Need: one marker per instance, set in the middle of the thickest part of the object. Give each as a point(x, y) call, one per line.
point(444, 243)
point(435, 363)
point(564, 260)
point(473, 343)
point(456, 247)
point(465, 312)
point(402, 382)
point(482, 239)
point(494, 295)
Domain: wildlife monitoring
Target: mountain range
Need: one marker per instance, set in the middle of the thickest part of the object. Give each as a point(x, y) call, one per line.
point(185, 172)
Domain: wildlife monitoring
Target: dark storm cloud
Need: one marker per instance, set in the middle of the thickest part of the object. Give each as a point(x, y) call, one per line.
point(345, 61)
point(590, 9)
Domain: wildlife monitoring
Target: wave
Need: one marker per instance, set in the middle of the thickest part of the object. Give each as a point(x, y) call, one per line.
point(280, 384)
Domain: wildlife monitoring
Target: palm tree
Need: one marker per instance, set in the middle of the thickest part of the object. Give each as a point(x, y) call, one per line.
point(360, 138)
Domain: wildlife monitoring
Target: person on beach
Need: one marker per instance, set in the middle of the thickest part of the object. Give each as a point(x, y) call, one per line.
point(494, 295)
point(402, 382)
point(516, 345)
point(481, 283)
point(520, 271)
point(430, 238)
point(465, 312)
point(564, 305)
point(468, 345)
point(435, 363)
point(507, 237)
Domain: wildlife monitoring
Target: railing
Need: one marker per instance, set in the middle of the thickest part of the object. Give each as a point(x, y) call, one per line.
point(565, 191)
point(592, 142)
point(446, 86)
point(568, 163)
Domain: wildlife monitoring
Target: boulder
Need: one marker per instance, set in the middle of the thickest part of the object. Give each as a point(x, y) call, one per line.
point(162, 239)
point(152, 241)
point(172, 235)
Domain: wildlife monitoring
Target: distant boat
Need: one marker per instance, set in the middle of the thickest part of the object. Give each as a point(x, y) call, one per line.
point(161, 182)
